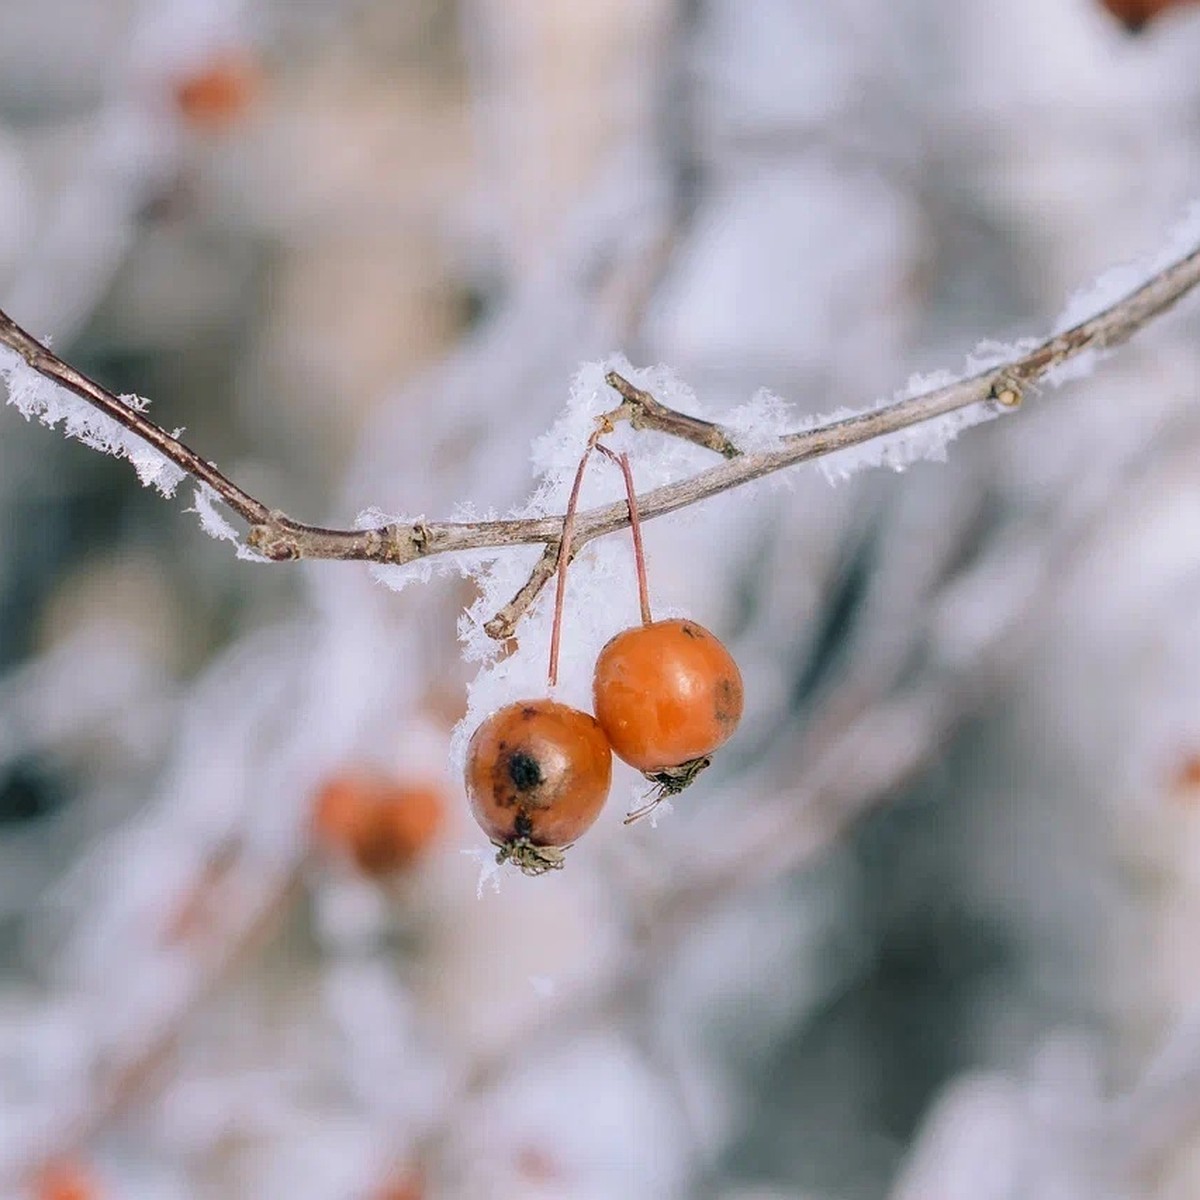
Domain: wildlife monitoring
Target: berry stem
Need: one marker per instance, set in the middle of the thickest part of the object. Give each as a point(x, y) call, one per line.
point(564, 558)
point(635, 527)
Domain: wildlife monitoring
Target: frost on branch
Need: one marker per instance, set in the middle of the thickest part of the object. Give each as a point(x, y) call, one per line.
point(926, 441)
point(1118, 282)
point(761, 423)
point(211, 520)
point(34, 396)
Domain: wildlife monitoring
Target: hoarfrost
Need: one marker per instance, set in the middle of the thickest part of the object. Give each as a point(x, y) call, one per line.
point(490, 871)
point(1117, 282)
point(36, 397)
point(211, 520)
point(761, 423)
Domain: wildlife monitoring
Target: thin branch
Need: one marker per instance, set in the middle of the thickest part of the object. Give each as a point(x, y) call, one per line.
point(279, 538)
point(643, 411)
point(51, 367)
point(504, 624)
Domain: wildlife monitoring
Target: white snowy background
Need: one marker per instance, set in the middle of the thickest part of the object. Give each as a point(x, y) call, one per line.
point(927, 928)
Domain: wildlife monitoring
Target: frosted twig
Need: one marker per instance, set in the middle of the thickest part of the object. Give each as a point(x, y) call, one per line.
point(50, 366)
point(504, 624)
point(643, 411)
point(280, 538)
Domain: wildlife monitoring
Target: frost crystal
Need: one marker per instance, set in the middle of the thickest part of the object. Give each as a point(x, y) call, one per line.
point(490, 872)
point(211, 521)
point(761, 423)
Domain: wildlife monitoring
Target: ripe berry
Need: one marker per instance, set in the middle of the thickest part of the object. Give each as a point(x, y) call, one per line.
point(667, 694)
point(380, 824)
point(218, 95)
point(537, 776)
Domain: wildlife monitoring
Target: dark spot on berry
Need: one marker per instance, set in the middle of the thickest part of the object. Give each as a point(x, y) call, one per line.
point(522, 826)
point(725, 701)
point(529, 712)
point(690, 630)
point(524, 771)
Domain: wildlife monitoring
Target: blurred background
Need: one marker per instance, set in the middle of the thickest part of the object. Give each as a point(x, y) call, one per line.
point(927, 928)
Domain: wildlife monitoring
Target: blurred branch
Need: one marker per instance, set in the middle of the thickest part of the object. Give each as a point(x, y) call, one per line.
point(119, 1084)
point(1163, 1110)
point(279, 538)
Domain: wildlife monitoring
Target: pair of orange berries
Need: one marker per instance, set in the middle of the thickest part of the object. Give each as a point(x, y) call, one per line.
point(666, 694)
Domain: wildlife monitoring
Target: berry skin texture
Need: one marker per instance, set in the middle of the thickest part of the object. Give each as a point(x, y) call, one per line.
point(667, 695)
point(380, 824)
point(537, 776)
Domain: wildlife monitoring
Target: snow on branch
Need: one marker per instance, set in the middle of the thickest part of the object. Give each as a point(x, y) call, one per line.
point(34, 396)
point(917, 423)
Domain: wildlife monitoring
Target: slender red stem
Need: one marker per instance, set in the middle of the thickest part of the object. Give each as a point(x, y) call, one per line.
point(564, 559)
point(635, 527)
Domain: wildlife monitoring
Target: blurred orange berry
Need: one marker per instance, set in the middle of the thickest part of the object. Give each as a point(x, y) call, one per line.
point(1134, 14)
point(219, 94)
point(65, 1180)
point(406, 1186)
point(535, 1165)
point(380, 824)
point(1186, 777)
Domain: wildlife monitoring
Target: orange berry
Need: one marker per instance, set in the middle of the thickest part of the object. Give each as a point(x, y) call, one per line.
point(380, 824)
point(667, 695)
point(405, 1186)
point(220, 93)
point(65, 1179)
point(537, 776)
point(1134, 14)
point(1184, 780)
